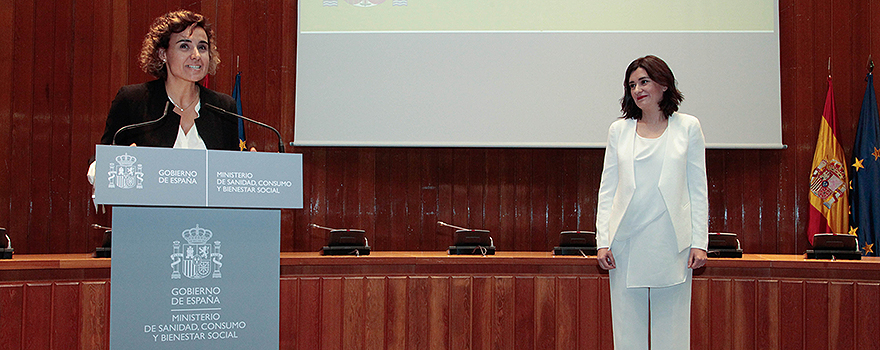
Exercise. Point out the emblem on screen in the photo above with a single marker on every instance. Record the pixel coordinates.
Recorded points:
(363, 3)
(197, 259)
(126, 173)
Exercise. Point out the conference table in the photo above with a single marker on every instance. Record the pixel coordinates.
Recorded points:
(510, 300)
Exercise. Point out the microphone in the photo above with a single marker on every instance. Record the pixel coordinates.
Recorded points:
(223, 111)
(132, 126)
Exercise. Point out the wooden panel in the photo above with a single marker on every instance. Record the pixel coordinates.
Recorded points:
(331, 310)
(767, 327)
(12, 320)
(374, 312)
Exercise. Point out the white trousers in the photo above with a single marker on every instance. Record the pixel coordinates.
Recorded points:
(664, 312)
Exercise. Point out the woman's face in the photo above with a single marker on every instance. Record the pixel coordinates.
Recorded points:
(188, 55)
(645, 91)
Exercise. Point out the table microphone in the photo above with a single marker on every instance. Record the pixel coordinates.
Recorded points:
(223, 111)
(132, 126)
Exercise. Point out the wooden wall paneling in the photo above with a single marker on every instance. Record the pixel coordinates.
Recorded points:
(767, 328)
(66, 316)
(804, 115)
(734, 170)
(398, 204)
(22, 114)
(445, 198)
(751, 201)
(58, 159)
(569, 195)
(816, 308)
(867, 299)
(554, 216)
(545, 312)
(366, 183)
(288, 313)
(461, 312)
(318, 212)
(336, 186)
(84, 35)
(438, 300)
(589, 324)
(331, 309)
(39, 212)
(458, 176)
(721, 336)
(475, 183)
(841, 306)
(95, 315)
(414, 210)
(417, 312)
(768, 234)
(701, 329)
(37, 329)
(309, 329)
(397, 311)
(538, 204)
(482, 311)
(787, 207)
(353, 306)
(492, 207)
(523, 182)
(524, 326)
(566, 312)
(7, 19)
(715, 181)
(791, 305)
(504, 300)
(12, 320)
(374, 312)
(743, 311)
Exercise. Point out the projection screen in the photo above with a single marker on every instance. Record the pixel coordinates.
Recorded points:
(521, 73)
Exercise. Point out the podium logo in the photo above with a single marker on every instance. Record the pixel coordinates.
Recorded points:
(126, 174)
(196, 259)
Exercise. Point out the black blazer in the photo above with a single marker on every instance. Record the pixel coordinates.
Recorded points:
(143, 102)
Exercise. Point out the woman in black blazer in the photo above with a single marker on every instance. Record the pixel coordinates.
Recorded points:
(179, 50)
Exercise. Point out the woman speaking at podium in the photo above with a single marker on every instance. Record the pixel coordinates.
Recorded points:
(653, 212)
(179, 50)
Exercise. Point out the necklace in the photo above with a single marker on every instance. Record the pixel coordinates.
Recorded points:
(178, 106)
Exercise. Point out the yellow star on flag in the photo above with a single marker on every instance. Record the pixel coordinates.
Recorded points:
(858, 164)
(876, 153)
(853, 230)
(869, 248)
(241, 145)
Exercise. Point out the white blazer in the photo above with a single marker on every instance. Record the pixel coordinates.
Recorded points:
(682, 182)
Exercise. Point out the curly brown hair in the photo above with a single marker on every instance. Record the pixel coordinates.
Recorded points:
(159, 36)
(659, 72)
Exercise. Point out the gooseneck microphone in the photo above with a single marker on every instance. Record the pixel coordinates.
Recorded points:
(138, 125)
(223, 111)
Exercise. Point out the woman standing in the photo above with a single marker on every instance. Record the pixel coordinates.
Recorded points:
(652, 217)
(179, 50)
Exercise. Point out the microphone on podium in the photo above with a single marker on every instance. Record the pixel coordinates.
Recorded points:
(223, 111)
(138, 125)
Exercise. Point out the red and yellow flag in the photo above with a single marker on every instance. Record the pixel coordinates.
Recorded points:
(829, 205)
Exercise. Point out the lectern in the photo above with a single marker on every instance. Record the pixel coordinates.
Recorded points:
(196, 245)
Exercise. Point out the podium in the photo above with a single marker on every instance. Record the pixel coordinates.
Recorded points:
(196, 245)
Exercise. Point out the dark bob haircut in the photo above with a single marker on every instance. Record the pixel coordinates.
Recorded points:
(660, 73)
(160, 35)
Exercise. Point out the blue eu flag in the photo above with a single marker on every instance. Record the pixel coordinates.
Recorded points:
(236, 94)
(865, 194)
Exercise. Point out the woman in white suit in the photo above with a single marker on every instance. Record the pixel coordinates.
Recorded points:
(652, 215)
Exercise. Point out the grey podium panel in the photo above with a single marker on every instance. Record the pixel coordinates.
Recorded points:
(197, 178)
(194, 278)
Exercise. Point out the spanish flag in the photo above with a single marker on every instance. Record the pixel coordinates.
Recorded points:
(829, 205)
